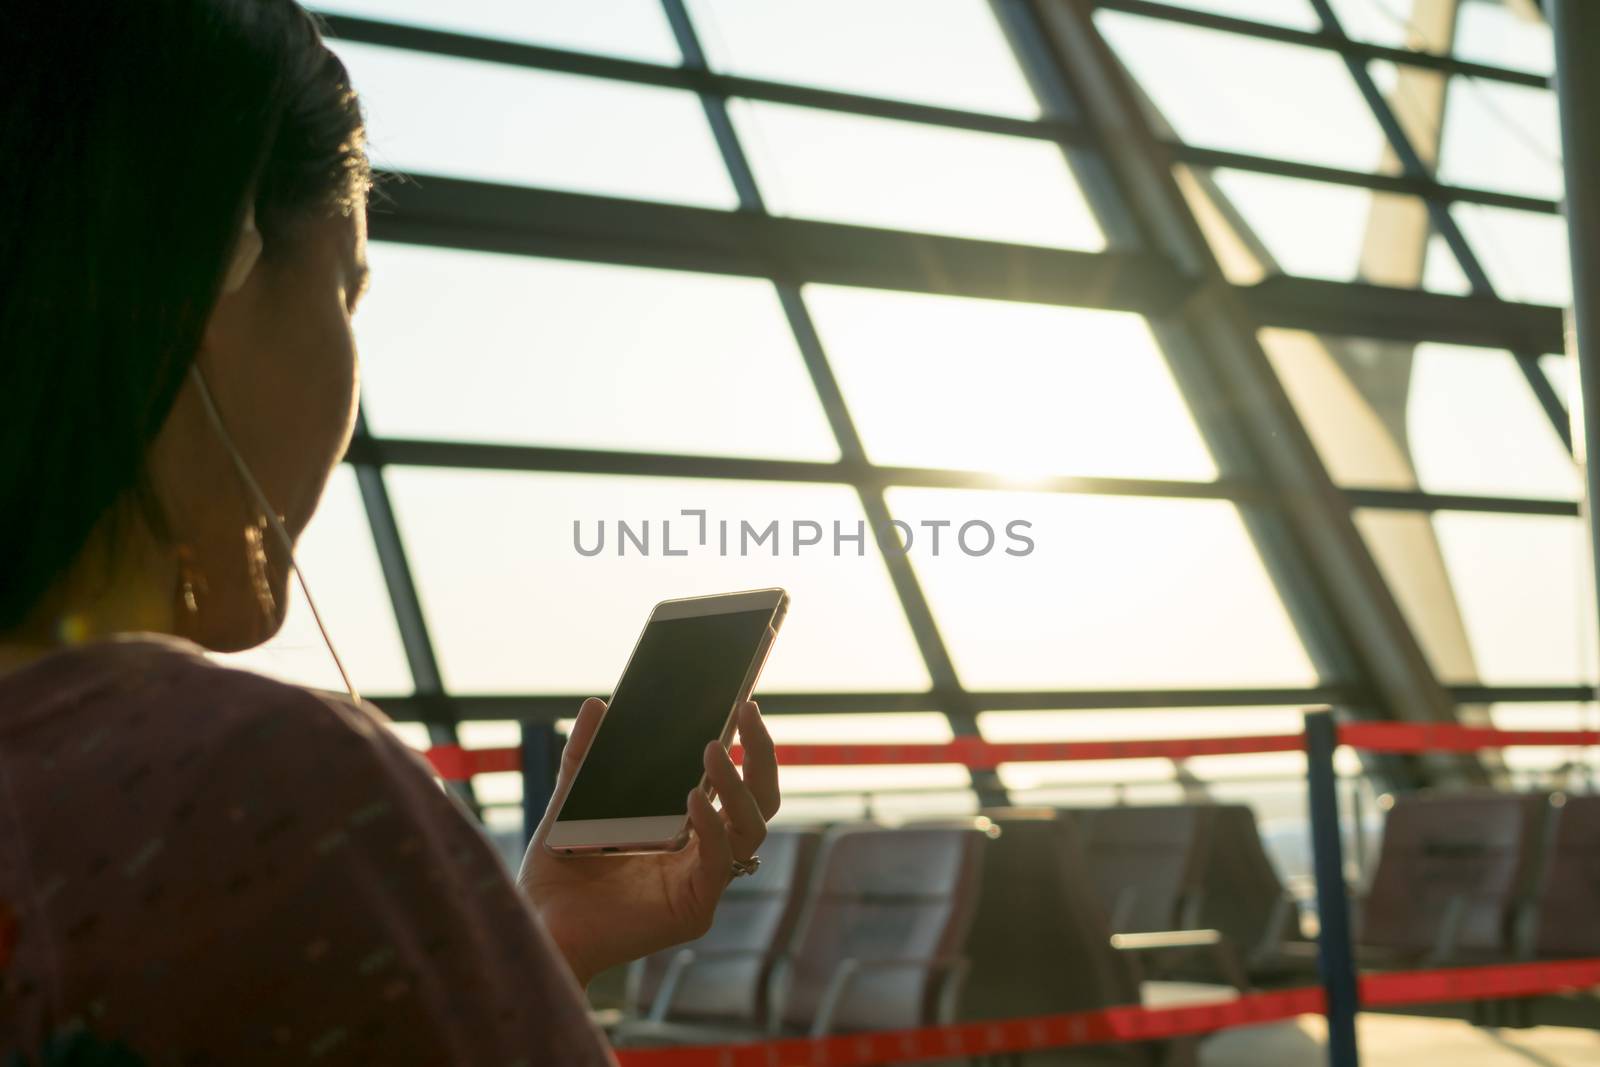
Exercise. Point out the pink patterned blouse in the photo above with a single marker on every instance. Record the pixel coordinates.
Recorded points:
(202, 866)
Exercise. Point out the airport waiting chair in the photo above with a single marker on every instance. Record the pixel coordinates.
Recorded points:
(1561, 924)
(1566, 915)
(1241, 895)
(722, 977)
(1455, 871)
(1147, 863)
(1196, 867)
(876, 945)
(1040, 942)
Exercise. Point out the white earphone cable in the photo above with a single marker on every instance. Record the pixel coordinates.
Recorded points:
(215, 418)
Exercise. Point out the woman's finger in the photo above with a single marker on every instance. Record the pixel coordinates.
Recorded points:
(746, 828)
(582, 735)
(577, 744)
(713, 867)
(760, 759)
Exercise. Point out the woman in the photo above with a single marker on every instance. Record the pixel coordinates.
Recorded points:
(199, 865)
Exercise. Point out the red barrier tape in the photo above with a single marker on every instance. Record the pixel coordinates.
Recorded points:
(455, 763)
(1118, 1025)
(1408, 737)
(979, 754)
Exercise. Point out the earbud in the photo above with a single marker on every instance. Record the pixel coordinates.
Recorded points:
(284, 540)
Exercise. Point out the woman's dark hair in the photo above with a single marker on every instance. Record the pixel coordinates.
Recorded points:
(132, 135)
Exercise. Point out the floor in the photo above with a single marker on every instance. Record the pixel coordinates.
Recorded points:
(1395, 1041)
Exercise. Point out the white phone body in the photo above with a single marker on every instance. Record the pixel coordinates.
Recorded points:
(665, 832)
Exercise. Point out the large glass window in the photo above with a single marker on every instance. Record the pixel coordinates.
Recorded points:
(1116, 592)
(466, 119)
(1559, 767)
(1277, 225)
(1524, 600)
(1244, 94)
(1015, 389)
(633, 29)
(1504, 34)
(515, 607)
(1503, 137)
(1082, 783)
(535, 581)
(1443, 418)
(516, 350)
(904, 176)
(902, 49)
(1524, 253)
(1295, 14)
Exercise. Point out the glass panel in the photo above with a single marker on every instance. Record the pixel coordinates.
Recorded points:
(1243, 94)
(885, 806)
(1443, 418)
(1476, 427)
(1117, 592)
(1505, 35)
(499, 787)
(341, 566)
(1296, 14)
(866, 779)
(414, 734)
(1496, 32)
(467, 119)
(1550, 768)
(859, 728)
(1090, 781)
(1524, 253)
(1385, 22)
(1562, 373)
(514, 607)
(509, 349)
(633, 29)
(1523, 589)
(1338, 232)
(856, 791)
(1503, 137)
(901, 49)
(1443, 273)
(906, 176)
(1018, 389)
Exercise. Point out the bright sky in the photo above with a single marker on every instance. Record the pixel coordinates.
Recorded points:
(1120, 592)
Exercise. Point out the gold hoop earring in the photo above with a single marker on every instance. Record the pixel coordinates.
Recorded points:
(255, 555)
(191, 581)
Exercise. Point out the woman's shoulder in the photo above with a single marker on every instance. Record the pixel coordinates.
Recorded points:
(162, 692)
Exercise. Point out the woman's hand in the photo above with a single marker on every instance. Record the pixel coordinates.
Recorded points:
(603, 911)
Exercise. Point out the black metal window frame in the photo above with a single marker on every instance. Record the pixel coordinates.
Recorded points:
(1132, 274)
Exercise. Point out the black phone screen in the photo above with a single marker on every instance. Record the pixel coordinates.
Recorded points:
(674, 697)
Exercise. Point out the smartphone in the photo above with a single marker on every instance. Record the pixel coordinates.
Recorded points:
(695, 663)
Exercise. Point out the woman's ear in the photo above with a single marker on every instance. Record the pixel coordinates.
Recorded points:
(245, 253)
